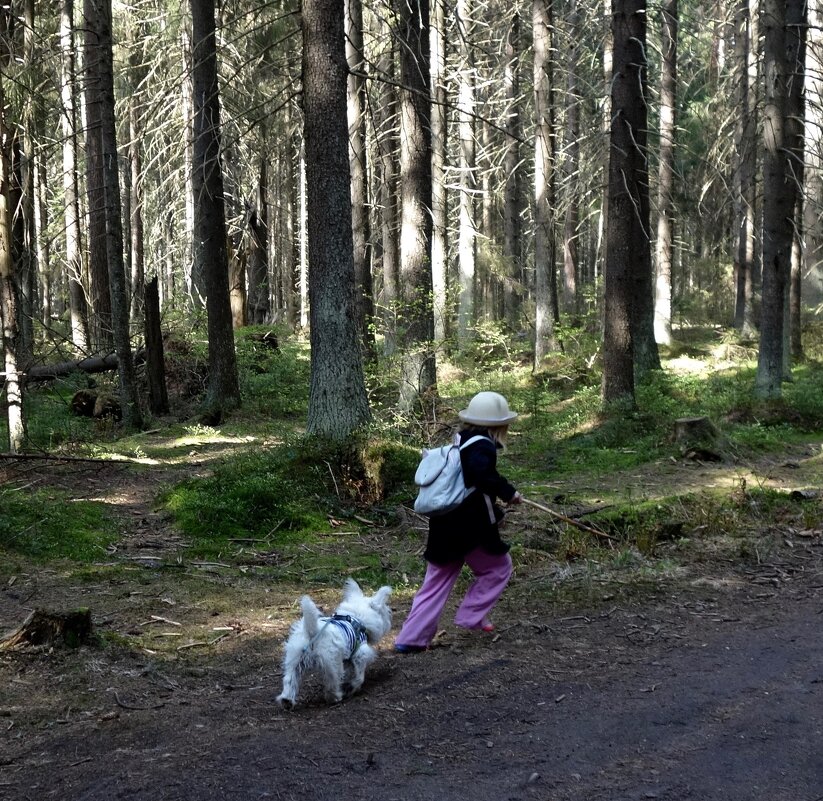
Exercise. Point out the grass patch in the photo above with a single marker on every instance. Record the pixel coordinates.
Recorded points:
(51, 525)
(274, 495)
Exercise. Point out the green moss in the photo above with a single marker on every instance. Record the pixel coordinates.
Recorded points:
(275, 495)
(52, 525)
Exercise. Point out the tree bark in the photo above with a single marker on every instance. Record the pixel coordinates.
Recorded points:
(99, 291)
(9, 301)
(211, 254)
(779, 198)
(627, 225)
(27, 257)
(812, 277)
(257, 263)
(746, 155)
(137, 74)
(237, 287)
(388, 202)
(545, 273)
(155, 359)
(98, 13)
(338, 404)
(92, 364)
(467, 236)
(515, 285)
(418, 370)
(571, 303)
(665, 180)
(359, 168)
(194, 279)
(439, 129)
(48, 629)
(796, 30)
(71, 211)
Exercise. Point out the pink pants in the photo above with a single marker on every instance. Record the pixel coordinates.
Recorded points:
(491, 575)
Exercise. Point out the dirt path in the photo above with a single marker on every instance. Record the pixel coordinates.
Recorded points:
(698, 689)
(704, 699)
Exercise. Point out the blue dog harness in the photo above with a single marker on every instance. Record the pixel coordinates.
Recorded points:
(352, 629)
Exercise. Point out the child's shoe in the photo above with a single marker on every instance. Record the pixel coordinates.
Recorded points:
(402, 648)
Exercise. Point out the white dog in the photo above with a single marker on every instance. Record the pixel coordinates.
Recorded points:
(338, 646)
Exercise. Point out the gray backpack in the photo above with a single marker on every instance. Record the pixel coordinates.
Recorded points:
(439, 477)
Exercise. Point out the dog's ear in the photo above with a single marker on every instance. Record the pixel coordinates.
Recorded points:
(351, 589)
(380, 597)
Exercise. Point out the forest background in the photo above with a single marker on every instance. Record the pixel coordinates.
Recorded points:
(253, 257)
(405, 189)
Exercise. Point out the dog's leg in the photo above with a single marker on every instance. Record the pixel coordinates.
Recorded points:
(362, 658)
(333, 680)
(292, 670)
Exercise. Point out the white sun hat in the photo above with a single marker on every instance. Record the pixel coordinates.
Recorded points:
(487, 409)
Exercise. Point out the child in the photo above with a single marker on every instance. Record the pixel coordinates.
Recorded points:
(469, 534)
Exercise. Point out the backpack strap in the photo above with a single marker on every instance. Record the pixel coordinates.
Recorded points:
(474, 439)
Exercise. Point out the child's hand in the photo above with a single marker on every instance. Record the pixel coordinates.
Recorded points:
(516, 498)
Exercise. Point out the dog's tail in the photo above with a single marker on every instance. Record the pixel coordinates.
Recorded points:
(311, 615)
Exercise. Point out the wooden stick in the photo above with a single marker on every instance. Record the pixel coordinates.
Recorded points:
(570, 520)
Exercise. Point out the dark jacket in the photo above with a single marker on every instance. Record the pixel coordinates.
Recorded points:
(474, 523)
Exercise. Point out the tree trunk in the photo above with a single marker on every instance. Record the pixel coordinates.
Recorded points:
(71, 208)
(812, 277)
(211, 255)
(292, 250)
(8, 296)
(41, 224)
(572, 165)
(796, 27)
(466, 250)
(303, 280)
(155, 360)
(665, 181)
(512, 201)
(440, 218)
(99, 291)
(545, 274)
(27, 269)
(257, 263)
(608, 75)
(92, 364)
(779, 198)
(137, 73)
(99, 48)
(388, 149)
(338, 404)
(627, 225)
(194, 280)
(418, 370)
(237, 287)
(746, 154)
(359, 168)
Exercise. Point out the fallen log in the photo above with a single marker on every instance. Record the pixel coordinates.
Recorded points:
(92, 364)
(47, 629)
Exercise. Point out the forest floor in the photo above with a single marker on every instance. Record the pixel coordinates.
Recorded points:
(703, 681)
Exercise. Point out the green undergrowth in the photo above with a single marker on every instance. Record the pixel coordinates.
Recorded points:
(285, 495)
(663, 546)
(44, 525)
(281, 507)
(692, 525)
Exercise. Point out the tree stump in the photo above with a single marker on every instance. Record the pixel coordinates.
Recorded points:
(46, 629)
(691, 430)
(698, 439)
